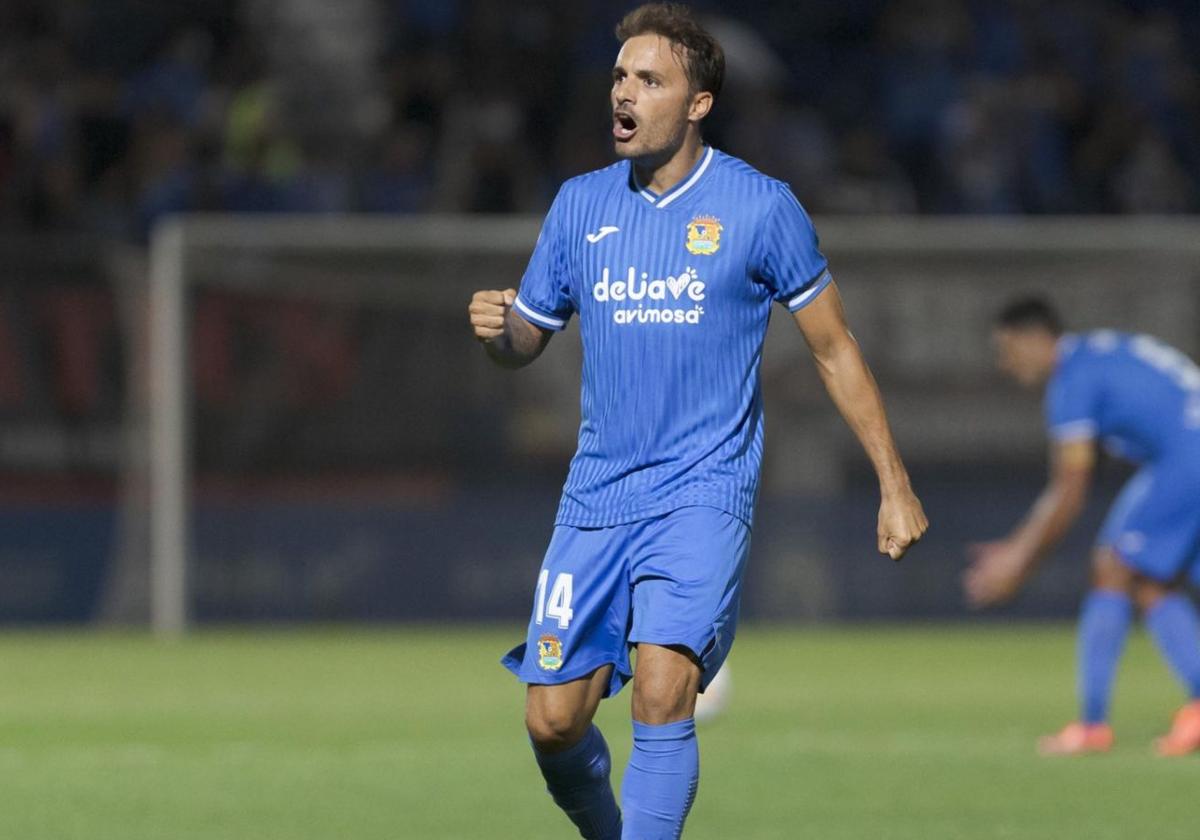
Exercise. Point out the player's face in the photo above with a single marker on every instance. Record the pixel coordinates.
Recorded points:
(1026, 356)
(651, 101)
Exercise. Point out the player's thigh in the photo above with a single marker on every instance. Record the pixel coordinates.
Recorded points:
(580, 610)
(1154, 526)
(687, 582)
(1131, 498)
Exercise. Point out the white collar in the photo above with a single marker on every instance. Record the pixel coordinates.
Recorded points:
(661, 201)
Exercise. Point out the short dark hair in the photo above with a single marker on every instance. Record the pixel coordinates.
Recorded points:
(703, 58)
(1030, 313)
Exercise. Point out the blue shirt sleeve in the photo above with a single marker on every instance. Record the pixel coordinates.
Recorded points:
(786, 258)
(544, 298)
(1072, 402)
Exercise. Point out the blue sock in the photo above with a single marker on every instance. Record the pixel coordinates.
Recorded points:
(660, 782)
(1175, 626)
(577, 779)
(1103, 626)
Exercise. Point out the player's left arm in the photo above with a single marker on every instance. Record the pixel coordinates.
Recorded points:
(853, 390)
(999, 569)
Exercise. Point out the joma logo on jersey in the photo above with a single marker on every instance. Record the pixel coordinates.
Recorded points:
(683, 288)
(704, 235)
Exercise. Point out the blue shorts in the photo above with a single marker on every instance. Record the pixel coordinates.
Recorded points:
(674, 579)
(1154, 525)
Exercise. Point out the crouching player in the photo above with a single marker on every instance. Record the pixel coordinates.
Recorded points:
(1142, 398)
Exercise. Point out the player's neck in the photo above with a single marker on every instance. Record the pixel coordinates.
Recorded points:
(1049, 364)
(661, 176)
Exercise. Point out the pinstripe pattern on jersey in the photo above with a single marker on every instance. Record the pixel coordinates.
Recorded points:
(1141, 397)
(671, 401)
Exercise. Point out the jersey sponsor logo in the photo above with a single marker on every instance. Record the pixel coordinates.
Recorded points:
(704, 235)
(604, 231)
(684, 288)
(550, 654)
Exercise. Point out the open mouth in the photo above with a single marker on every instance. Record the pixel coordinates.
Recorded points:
(624, 126)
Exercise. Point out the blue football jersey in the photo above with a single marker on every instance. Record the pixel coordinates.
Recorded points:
(1135, 393)
(673, 293)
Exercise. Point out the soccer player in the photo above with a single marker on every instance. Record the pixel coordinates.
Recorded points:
(1142, 398)
(671, 259)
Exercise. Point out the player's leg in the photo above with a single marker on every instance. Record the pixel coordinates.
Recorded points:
(1184, 736)
(1104, 624)
(1174, 624)
(1103, 628)
(572, 754)
(1107, 610)
(575, 654)
(664, 768)
(1157, 543)
(686, 586)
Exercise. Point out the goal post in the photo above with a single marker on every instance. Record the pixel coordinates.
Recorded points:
(179, 242)
(169, 476)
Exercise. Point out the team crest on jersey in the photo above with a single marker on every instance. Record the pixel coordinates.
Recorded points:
(550, 655)
(704, 235)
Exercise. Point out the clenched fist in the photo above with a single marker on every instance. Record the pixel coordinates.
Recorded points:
(488, 310)
(902, 523)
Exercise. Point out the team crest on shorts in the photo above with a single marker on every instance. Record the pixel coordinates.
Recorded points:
(550, 655)
(704, 235)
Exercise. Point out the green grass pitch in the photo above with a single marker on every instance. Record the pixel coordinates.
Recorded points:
(861, 733)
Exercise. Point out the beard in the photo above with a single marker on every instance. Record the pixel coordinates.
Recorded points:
(654, 146)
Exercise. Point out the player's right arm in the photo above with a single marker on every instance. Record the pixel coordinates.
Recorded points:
(510, 340)
(999, 569)
(515, 326)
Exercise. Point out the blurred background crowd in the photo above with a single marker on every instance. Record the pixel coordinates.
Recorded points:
(346, 438)
(115, 112)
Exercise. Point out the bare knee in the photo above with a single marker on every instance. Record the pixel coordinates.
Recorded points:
(1147, 593)
(554, 727)
(1109, 572)
(656, 704)
(558, 716)
(665, 685)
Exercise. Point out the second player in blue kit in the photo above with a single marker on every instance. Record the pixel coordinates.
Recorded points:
(671, 261)
(1140, 398)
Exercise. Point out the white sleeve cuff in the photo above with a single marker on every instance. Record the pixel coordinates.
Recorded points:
(537, 316)
(806, 297)
(1074, 430)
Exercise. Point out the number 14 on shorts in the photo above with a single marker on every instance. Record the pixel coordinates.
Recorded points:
(559, 605)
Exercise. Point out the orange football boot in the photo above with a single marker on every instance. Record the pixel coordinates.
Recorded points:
(1077, 739)
(1184, 736)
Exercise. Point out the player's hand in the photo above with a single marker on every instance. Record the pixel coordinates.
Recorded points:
(902, 522)
(488, 311)
(995, 574)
